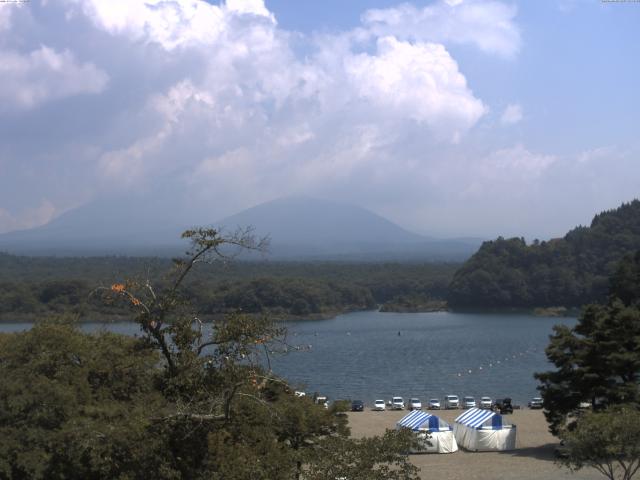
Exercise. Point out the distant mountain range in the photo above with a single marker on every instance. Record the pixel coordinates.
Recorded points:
(299, 228)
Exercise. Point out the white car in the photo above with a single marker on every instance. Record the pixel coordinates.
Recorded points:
(322, 400)
(415, 404)
(451, 401)
(434, 404)
(379, 406)
(486, 403)
(468, 402)
(397, 403)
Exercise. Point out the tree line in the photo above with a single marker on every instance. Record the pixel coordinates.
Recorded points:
(569, 271)
(31, 287)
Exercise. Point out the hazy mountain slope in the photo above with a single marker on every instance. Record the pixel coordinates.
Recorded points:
(568, 271)
(310, 221)
(299, 227)
(303, 227)
(130, 225)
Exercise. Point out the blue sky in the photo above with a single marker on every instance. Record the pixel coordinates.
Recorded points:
(452, 118)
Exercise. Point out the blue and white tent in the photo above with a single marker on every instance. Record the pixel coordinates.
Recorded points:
(434, 434)
(483, 431)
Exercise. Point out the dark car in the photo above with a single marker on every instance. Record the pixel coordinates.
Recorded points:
(535, 403)
(503, 405)
(357, 406)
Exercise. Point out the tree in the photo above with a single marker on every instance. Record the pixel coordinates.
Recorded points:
(76, 406)
(607, 441)
(187, 400)
(598, 360)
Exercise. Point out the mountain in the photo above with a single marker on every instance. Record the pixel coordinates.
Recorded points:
(308, 228)
(124, 225)
(569, 271)
(299, 228)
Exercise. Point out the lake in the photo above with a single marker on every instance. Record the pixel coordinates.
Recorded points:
(369, 355)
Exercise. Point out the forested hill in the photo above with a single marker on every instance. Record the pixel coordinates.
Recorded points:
(569, 271)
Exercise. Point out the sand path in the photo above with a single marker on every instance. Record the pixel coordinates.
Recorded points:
(533, 458)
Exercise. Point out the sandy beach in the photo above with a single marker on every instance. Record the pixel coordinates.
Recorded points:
(532, 459)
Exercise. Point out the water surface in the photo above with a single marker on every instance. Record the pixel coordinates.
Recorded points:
(369, 355)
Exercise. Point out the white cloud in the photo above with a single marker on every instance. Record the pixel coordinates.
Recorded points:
(230, 109)
(486, 24)
(255, 7)
(420, 81)
(515, 163)
(175, 24)
(39, 76)
(512, 114)
(27, 218)
(5, 18)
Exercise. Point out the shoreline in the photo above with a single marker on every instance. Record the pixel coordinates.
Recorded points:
(557, 312)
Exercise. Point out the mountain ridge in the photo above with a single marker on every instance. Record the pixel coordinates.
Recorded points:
(300, 228)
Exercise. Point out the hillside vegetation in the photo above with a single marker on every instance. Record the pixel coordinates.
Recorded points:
(31, 287)
(569, 271)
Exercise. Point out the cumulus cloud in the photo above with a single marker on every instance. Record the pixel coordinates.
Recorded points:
(511, 165)
(224, 108)
(487, 25)
(44, 74)
(512, 114)
(420, 81)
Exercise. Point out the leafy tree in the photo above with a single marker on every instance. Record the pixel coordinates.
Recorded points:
(607, 441)
(185, 400)
(598, 360)
(377, 458)
(76, 406)
(625, 283)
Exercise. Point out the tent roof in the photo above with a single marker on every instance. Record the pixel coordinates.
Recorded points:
(417, 419)
(475, 417)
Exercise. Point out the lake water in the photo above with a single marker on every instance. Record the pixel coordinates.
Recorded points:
(369, 355)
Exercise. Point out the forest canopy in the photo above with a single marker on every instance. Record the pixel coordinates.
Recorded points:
(34, 286)
(569, 271)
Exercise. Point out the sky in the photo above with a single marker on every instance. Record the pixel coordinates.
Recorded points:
(449, 117)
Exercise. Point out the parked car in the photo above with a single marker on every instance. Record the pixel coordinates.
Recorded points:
(379, 405)
(357, 406)
(415, 404)
(451, 401)
(535, 403)
(468, 402)
(299, 394)
(322, 400)
(486, 403)
(397, 403)
(503, 406)
(434, 404)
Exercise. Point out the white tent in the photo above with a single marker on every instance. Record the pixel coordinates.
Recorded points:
(483, 431)
(434, 434)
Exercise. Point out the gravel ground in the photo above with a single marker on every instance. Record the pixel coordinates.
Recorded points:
(532, 459)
